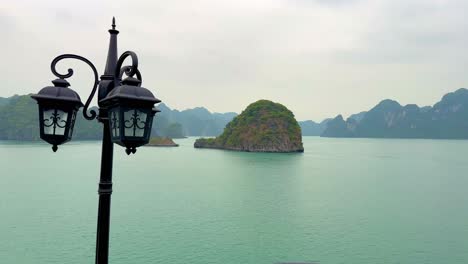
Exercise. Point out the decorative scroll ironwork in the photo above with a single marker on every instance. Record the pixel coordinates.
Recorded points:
(126, 70)
(134, 119)
(130, 71)
(115, 124)
(55, 120)
(93, 113)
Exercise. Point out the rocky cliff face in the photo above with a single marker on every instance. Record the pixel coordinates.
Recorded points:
(311, 128)
(263, 126)
(446, 119)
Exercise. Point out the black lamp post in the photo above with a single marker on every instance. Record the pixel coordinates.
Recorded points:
(126, 112)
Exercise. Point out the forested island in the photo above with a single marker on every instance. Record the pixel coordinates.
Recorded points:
(264, 126)
(447, 119)
(19, 121)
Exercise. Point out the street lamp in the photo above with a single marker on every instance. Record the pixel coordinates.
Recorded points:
(57, 112)
(130, 109)
(126, 111)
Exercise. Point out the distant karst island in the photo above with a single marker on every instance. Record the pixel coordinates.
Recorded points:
(161, 142)
(264, 126)
(447, 119)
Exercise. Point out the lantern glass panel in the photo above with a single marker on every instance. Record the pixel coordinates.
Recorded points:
(115, 123)
(135, 123)
(54, 122)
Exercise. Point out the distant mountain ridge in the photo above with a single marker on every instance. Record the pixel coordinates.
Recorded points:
(447, 119)
(199, 121)
(311, 128)
(4, 101)
(19, 121)
(169, 122)
(193, 122)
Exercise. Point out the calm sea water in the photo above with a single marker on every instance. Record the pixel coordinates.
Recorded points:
(342, 201)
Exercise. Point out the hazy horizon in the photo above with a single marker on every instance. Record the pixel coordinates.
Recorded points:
(318, 58)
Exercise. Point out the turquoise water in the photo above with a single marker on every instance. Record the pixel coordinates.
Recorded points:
(342, 201)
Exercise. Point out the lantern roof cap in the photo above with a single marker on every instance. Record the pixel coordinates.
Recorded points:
(129, 91)
(58, 92)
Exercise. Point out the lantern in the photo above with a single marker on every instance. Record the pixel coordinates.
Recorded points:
(130, 112)
(58, 105)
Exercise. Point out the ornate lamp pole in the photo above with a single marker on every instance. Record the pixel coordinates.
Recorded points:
(126, 111)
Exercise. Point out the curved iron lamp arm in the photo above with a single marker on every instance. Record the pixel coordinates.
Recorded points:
(128, 70)
(93, 113)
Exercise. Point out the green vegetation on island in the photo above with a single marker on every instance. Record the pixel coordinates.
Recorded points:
(447, 119)
(19, 118)
(264, 126)
(19, 121)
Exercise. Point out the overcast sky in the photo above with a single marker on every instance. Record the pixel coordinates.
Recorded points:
(320, 58)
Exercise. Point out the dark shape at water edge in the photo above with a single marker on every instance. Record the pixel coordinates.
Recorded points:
(264, 126)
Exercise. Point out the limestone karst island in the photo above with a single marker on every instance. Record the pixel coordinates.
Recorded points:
(264, 126)
(161, 142)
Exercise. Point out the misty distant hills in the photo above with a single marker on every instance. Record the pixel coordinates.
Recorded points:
(7, 100)
(4, 101)
(447, 119)
(19, 121)
(201, 122)
(18, 115)
(311, 128)
(191, 122)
